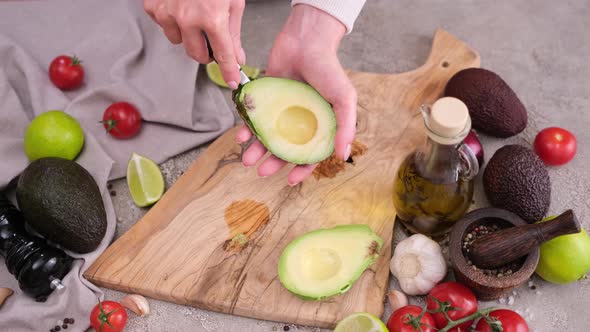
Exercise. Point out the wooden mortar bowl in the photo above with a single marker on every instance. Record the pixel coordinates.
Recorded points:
(488, 287)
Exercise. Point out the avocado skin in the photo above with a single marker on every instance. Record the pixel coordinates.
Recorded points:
(516, 179)
(493, 106)
(241, 108)
(62, 202)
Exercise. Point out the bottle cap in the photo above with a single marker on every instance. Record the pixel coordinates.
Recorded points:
(449, 120)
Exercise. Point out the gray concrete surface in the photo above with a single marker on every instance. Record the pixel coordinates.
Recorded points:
(539, 47)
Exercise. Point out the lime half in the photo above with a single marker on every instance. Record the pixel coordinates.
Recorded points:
(361, 322)
(145, 181)
(214, 73)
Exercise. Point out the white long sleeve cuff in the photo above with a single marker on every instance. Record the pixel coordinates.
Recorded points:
(346, 11)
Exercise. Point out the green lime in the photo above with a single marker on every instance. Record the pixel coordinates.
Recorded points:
(145, 181)
(361, 322)
(54, 134)
(214, 73)
(565, 259)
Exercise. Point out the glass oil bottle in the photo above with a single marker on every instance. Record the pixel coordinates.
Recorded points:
(433, 187)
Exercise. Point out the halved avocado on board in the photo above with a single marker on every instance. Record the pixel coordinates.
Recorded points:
(326, 262)
(291, 119)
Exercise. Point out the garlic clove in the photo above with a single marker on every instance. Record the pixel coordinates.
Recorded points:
(136, 303)
(4, 294)
(397, 299)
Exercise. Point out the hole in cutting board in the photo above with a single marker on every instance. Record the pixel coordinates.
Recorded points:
(244, 218)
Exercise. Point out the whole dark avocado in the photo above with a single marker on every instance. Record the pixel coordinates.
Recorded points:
(493, 106)
(62, 202)
(516, 179)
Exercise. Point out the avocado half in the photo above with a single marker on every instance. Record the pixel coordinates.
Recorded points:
(326, 262)
(291, 119)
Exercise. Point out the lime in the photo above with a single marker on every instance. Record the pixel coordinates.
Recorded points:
(54, 134)
(145, 181)
(361, 322)
(565, 259)
(214, 73)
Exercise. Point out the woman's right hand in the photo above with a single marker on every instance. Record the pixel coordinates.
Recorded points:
(185, 21)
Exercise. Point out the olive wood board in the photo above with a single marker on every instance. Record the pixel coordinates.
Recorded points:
(181, 252)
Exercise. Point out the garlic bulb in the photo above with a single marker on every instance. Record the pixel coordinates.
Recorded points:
(418, 264)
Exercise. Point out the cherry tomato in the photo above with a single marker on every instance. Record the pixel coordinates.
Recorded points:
(555, 146)
(510, 320)
(458, 296)
(122, 120)
(400, 320)
(66, 72)
(108, 316)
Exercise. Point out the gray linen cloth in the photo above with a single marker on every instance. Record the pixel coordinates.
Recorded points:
(126, 58)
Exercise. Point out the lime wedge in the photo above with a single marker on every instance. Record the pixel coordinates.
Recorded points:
(361, 322)
(214, 73)
(145, 181)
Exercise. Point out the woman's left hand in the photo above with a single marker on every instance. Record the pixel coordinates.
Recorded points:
(306, 50)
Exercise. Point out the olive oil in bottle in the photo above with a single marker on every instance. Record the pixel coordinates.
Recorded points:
(433, 187)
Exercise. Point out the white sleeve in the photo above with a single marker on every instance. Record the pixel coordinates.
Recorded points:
(346, 11)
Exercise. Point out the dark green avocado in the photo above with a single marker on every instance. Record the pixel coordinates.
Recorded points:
(493, 106)
(516, 179)
(61, 201)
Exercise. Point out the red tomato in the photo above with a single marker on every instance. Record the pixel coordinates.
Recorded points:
(510, 320)
(458, 296)
(399, 321)
(108, 316)
(66, 72)
(555, 146)
(122, 120)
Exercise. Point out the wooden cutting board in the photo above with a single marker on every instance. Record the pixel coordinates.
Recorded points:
(181, 250)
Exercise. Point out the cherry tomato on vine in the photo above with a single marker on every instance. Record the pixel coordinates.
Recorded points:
(108, 316)
(66, 72)
(405, 319)
(122, 120)
(457, 296)
(509, 320)
(555, 146)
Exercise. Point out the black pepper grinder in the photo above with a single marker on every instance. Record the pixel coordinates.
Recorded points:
(36, 265)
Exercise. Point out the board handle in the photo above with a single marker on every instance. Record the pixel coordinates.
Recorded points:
(450, 53)
(502, 247)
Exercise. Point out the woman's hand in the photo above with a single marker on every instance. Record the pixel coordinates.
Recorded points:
(306, 50)
(185, 21)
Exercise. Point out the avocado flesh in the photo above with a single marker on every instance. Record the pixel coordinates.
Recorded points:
(289, 117)
(62, 202)
(326, 262)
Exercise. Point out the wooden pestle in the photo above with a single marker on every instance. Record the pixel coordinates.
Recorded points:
(504, 246)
